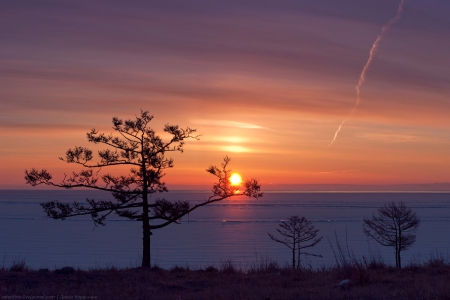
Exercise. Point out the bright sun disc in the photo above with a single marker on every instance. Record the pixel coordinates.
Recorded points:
(235, 179)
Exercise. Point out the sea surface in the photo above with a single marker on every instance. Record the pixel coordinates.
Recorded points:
(231, 230)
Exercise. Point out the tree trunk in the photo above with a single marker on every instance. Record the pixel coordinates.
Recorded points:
(146, 235)
(396, 257)
(397, 249)
(399, 245)
(293, 253)
(293, 258)
(145, 221)
(146, 247)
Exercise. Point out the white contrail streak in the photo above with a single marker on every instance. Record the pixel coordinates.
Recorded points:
(362, 77)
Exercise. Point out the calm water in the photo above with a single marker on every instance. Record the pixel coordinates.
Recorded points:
(233, 230)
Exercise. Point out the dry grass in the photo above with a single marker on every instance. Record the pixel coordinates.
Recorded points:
(369, 280)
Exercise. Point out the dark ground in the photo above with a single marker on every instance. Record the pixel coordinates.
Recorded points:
(266, 281)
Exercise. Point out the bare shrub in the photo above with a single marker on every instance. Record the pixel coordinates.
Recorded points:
(18, 266)
(228, 267)
(299, 234)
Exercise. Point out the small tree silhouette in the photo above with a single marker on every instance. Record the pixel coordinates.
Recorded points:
(138, 146)
(394, 226)
(300, 234)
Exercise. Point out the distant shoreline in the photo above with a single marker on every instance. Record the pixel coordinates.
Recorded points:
(274, 191)
(297, 188)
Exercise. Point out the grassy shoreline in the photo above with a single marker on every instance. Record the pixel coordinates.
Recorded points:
(368, 280)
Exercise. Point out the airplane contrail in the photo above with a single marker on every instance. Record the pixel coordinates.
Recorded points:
(362, 77)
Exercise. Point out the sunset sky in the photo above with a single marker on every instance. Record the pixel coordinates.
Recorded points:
(265, 82)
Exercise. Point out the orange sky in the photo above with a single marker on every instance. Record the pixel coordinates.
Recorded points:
(267, 85)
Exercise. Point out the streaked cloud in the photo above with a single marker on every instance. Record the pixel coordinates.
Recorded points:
(331, 172)
(265, 81)
(393, 137)
(231, 139)
(226, 123)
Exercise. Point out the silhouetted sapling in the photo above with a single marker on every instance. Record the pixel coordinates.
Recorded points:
(394, 226)
(138, 146)
(299, 234)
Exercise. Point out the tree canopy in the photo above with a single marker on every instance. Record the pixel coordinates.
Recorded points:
(298, 233)
(138, 146)
(394, 226)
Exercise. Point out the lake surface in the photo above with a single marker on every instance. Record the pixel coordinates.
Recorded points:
(233, 229)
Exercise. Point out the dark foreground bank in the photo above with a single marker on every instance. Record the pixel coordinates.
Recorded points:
(265, 281)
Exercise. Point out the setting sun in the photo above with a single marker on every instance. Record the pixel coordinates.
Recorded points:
(235, 179)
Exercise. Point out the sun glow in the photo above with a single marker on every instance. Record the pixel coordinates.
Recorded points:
(235, 148)
(235, 179)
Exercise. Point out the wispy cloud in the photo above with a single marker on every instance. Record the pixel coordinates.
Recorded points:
(332, 172)
(226, 123)
(392, 137)
(260, 79)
